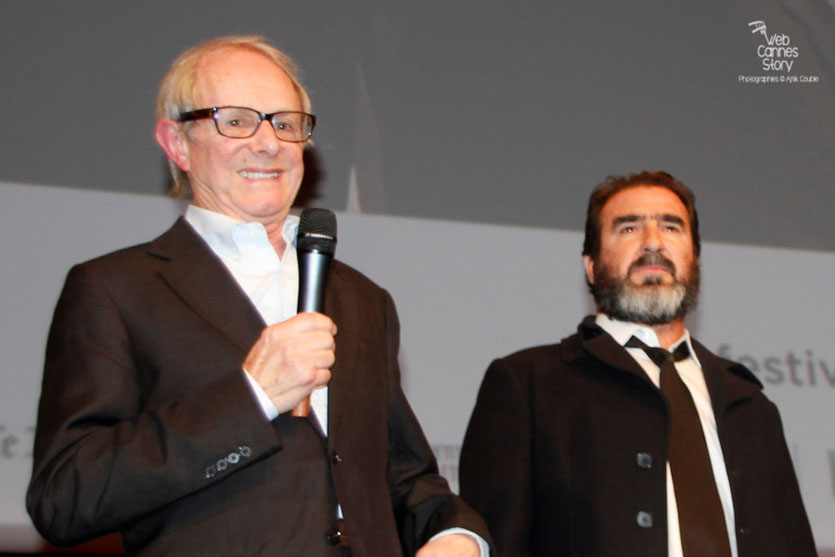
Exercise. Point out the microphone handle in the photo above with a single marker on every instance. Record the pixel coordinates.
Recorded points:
(302, 409)
(313, 272)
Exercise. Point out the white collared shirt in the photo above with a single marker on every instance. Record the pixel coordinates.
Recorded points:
(690, 370)
(270, 282)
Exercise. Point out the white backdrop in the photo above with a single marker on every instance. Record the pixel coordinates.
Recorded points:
(466, 294)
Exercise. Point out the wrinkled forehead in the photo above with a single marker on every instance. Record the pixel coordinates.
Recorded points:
(644, 202)
(237, 76)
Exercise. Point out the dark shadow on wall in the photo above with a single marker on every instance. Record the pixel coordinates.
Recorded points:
(314, 175)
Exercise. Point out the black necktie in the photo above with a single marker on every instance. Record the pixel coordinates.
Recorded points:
(700, 515)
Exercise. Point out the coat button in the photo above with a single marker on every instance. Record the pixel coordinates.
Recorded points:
(644, 519)
(337, 458)
(333, 535)
(644, 460)
(245, 451)
(210, 472)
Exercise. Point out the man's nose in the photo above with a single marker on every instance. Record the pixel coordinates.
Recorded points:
(265, 140)
(651, 240)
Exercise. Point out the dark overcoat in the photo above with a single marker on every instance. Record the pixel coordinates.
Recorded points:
(566, 449)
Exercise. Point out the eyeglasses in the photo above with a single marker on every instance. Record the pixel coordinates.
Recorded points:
(240, 122)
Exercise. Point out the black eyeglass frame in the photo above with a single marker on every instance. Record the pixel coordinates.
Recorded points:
(211, 113)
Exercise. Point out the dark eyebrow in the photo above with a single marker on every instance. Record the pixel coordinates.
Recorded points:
(626, 219)
(671, 218)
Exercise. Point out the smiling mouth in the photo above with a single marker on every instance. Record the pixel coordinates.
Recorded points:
(259, 175)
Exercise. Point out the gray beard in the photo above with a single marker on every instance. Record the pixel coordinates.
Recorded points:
(651, 303)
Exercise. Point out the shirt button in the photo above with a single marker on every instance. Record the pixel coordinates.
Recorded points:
(644, 460)
(644, 519)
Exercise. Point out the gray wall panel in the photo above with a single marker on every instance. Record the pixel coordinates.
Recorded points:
(492, 112)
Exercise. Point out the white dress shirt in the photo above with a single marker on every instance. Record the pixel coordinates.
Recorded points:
(690, 370)
(270, 282)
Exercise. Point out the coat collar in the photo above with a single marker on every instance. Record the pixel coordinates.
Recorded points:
(593, 341)
(727, 381)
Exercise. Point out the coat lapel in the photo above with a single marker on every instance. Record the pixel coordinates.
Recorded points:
(343, 372)
(727, 382)
(593, 340)
(202, 281)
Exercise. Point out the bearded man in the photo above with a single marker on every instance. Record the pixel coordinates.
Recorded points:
(630, 437)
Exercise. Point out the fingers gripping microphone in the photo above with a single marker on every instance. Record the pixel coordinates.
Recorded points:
(315, 246)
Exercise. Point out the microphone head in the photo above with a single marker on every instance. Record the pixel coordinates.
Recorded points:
(317, 231)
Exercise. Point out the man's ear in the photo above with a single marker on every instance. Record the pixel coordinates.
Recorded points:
(170, 137)
(588, 264)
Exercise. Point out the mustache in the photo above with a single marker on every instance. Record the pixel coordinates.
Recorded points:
(653, 258)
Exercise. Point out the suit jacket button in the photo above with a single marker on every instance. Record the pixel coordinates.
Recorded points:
(210, 472)
(233, 458)
(644, 519)
(245, 451)
(644, 460)
(333, 535)
(337, 458)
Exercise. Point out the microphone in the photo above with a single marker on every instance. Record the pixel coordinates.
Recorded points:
(315, 246)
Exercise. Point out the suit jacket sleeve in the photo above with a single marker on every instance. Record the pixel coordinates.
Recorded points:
(104, 456)
(421, 498)
(495, 468)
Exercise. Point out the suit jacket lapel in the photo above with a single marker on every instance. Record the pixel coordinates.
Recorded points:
(205, 285)
(201, 280)
(347, 357)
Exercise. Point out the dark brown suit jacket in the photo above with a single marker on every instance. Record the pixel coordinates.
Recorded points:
(566, 449)
(147, 426)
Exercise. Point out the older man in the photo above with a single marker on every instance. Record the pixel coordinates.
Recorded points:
(629, 437)
(172, 367)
